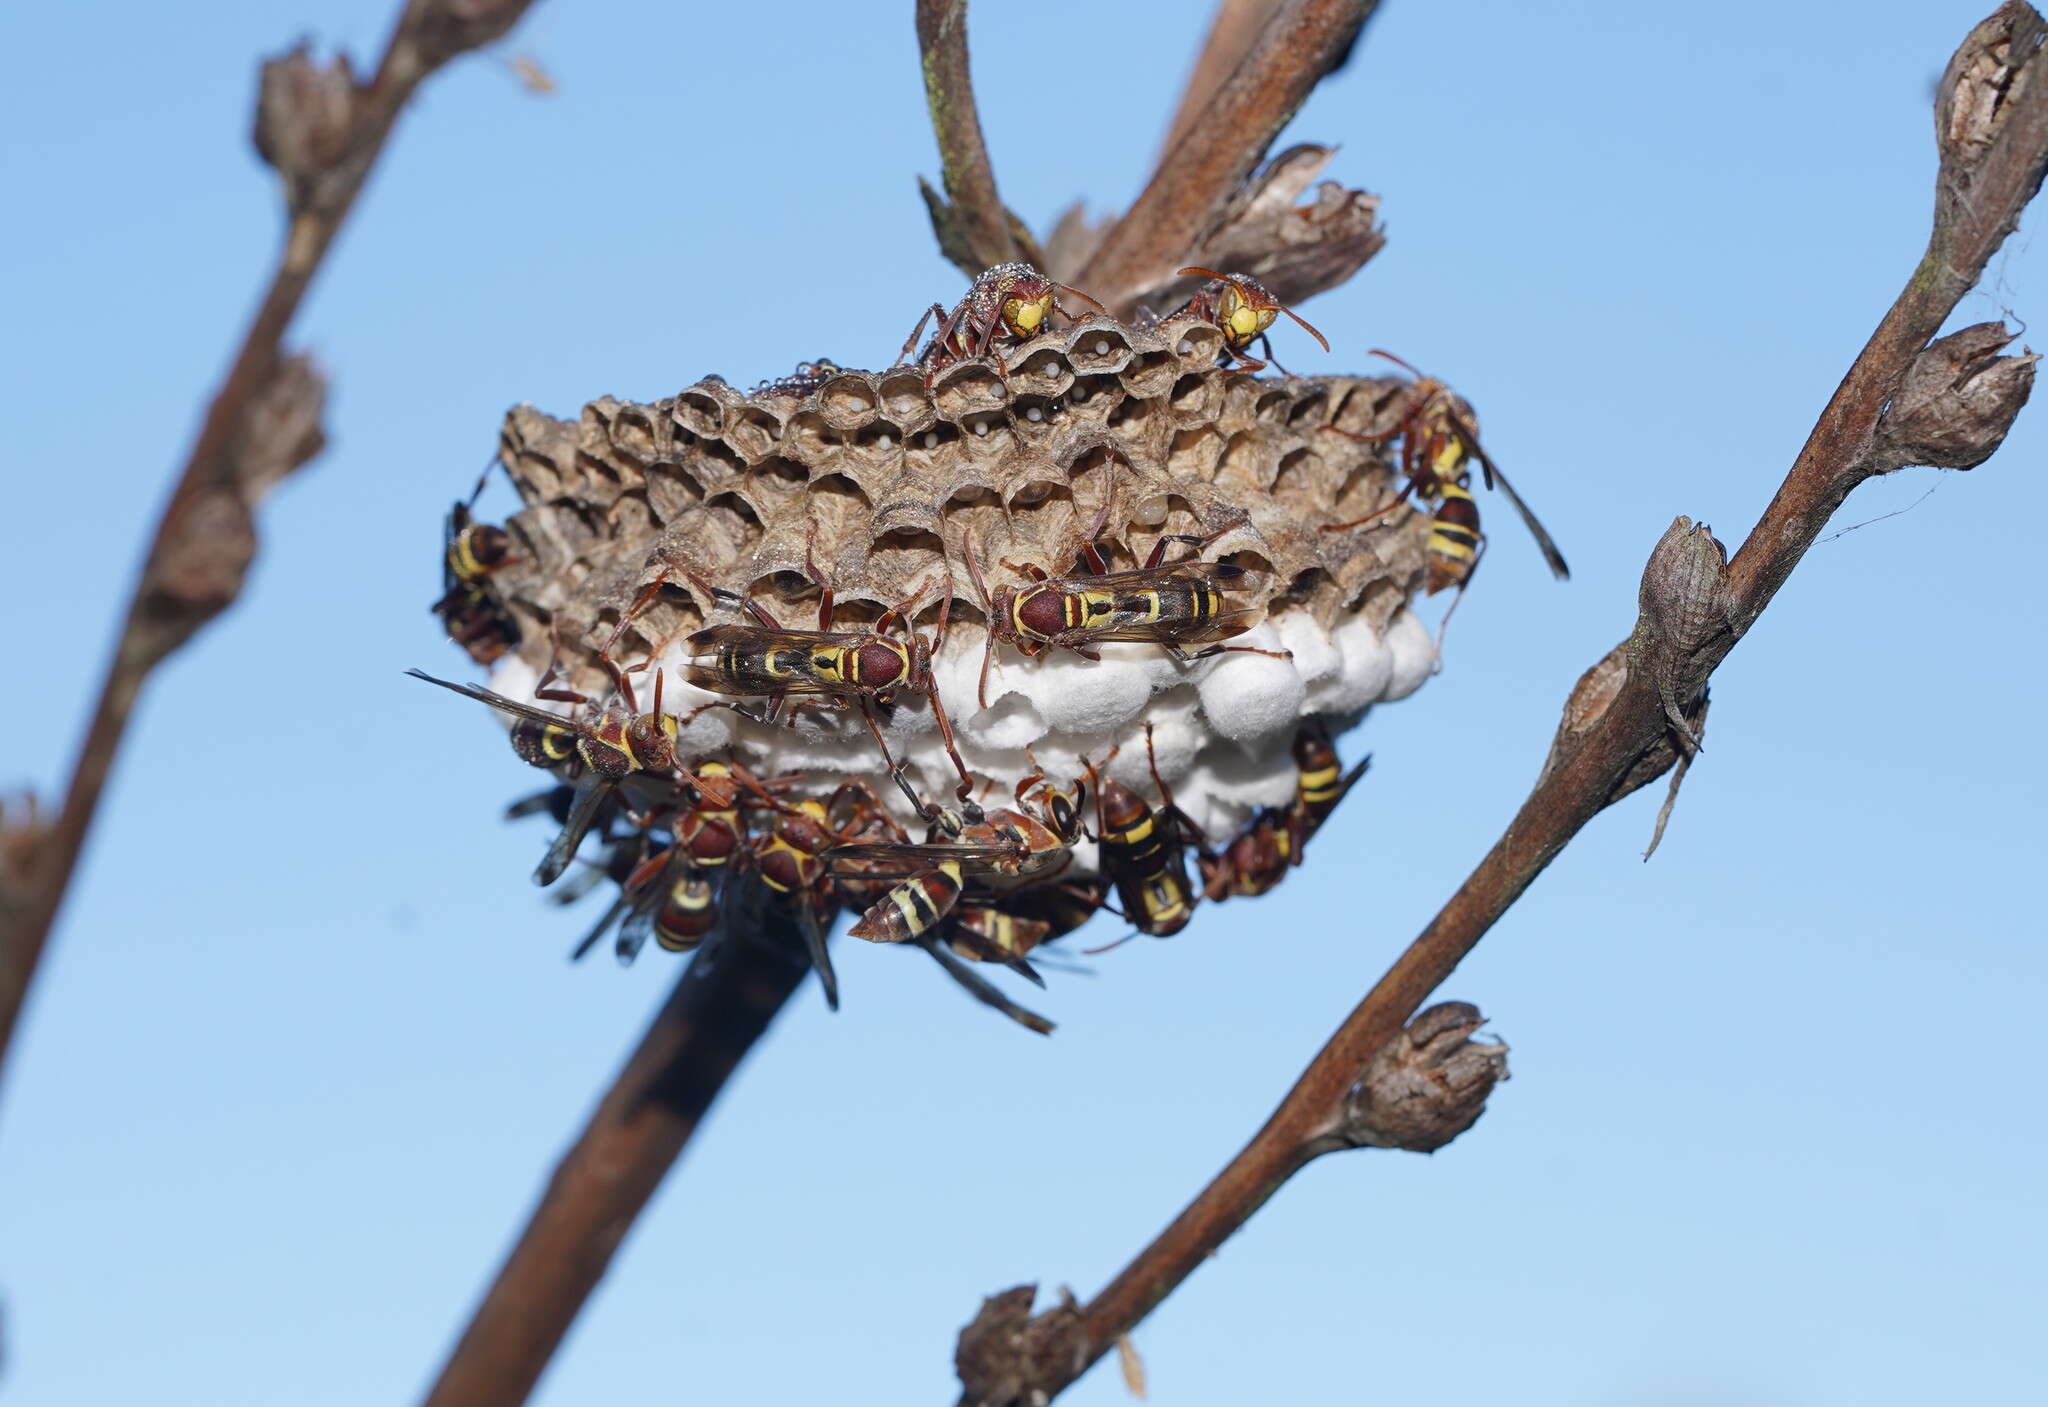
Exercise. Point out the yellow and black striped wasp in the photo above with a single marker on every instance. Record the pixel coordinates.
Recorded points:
(1277, 838)
(470, 610)
(1438, 445)
(668, 899)
(789, 858)
(1242, 309)
(1142, 851)
(669, 893)
(1005, 849)
(860, 670)
(923, 909)
(1174, 606)
(606, 748)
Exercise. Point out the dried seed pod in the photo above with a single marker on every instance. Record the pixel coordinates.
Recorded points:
(1428, 1085)
(1956, 403)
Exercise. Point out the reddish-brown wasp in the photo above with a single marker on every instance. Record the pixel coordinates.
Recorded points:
(1004, 849)
(1009, 301)
(1438, 445)
(469, 608)
(1277, 838)
(667, 898)
(862, 670)
(1001, 847)
(1242, 309)
(1173, 606)
(999, 850)
(611, 746)
(789, 857)
(670, 894)
(1142, 851)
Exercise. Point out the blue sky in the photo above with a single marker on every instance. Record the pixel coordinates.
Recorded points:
(307, 1047)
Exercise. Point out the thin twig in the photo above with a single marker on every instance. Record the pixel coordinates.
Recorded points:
(1618, 732)
(323, 132)
(717, 1011)
(1207, 166)
(974, 227)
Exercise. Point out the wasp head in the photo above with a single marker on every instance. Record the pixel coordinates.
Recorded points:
(1016, 295)
(652, 738)
(1027, 306)
(1243, 311)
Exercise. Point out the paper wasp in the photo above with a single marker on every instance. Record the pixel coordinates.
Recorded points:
(470, 552)
(861, 670)
(1007, 300)
(789, 857)
(668, 898)
(670, 893)
(1438, 445)
(1142, 851)
(807, 377)
(1000, 849)
(1277, 838)
(923, 909)
(609, 747)
(1174, 606)
(1242, 309)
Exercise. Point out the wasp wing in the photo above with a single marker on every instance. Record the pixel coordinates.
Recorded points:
(1224, 626)
(603, 925)
(1496, 479)
(981, 949)
(813, 930)
(591, 793)
(982, 990)
(916, 858)
(497, 701)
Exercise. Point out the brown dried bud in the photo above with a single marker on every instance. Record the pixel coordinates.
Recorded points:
(440, 30)
(280, 427)
(208, 542)
(305, 122)
(1686, 605)
(1976, 91)
(1956, 403)
(1005, 1354)
(1428, 1085)
(23, 830)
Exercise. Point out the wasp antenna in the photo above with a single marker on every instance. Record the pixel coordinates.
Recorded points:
(1397, 361)
(1192, 272)
(1069, 288)
(1306, 326)
(1108, 947)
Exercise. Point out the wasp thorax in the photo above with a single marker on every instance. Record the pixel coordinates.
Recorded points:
(880, 665)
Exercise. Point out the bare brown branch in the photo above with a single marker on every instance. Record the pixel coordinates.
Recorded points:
(1231, 36)
(720, 1007)
(322, 131)
(1618, 732)
(974, 228)
(1194, 186)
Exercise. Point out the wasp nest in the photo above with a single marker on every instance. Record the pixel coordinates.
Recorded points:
(883, 482)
